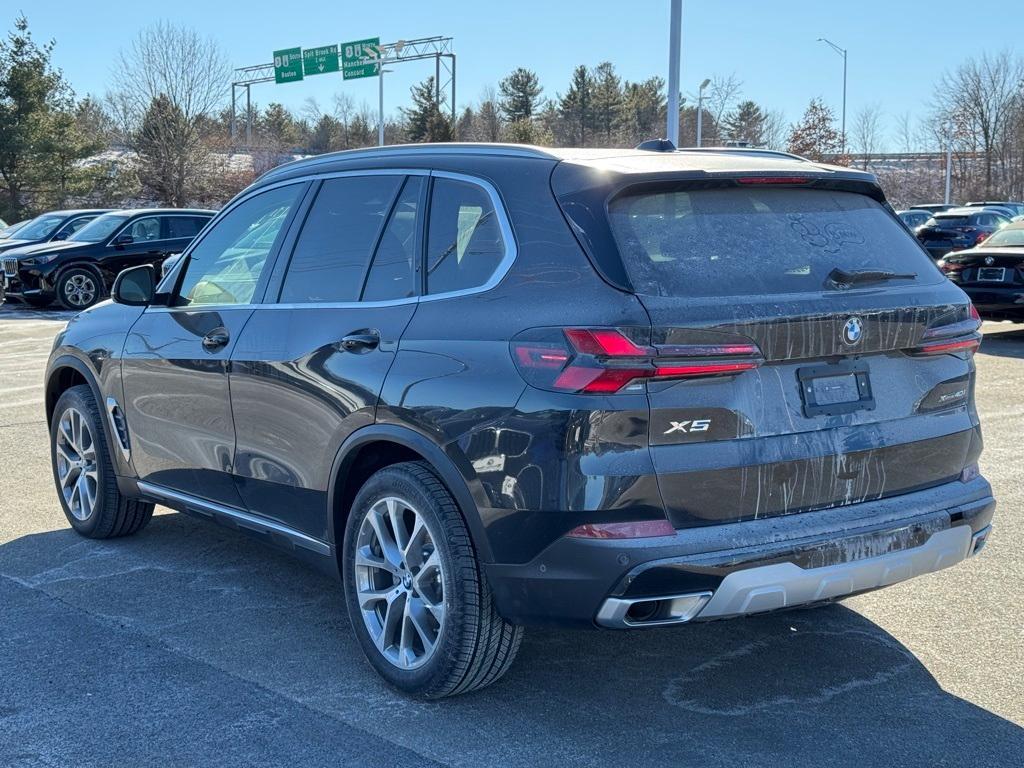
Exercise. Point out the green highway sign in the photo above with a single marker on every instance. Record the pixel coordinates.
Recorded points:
(319, 61)
(288, 65)
(359, 58)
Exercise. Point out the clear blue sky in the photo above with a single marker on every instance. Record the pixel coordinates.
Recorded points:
(897, 48)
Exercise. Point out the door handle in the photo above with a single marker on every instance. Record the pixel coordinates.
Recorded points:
(360, 341)
(216, 339)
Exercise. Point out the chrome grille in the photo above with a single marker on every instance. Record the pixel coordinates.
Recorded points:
(11, 267)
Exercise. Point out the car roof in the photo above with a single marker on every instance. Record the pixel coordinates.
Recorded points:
(76, 212)
(150, 211)
(712, 159)
(962, 211)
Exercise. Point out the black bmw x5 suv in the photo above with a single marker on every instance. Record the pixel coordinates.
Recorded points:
(493, 386)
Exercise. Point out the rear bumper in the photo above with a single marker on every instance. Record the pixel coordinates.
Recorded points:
(997, 301)
(749, 567)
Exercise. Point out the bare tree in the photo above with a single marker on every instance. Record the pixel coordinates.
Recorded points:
(867, 132)
(170, 84)
(982, 98)
(723, 95)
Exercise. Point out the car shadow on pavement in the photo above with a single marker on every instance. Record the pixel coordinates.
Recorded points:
(195, 639)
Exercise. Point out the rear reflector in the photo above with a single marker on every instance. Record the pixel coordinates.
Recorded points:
(606, 360)
(957, 336)
(635, 530)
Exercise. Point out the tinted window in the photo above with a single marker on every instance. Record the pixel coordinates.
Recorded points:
(727, 242)
(100, 228)
(184, 226)
(333, 251)
(73, 226)
(391, 274)
(226, 264)
(464, 241)
(144, 230)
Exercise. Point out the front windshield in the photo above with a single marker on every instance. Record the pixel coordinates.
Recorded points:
(10, 229)
(99, 228)
(40, 228)
(1007, 238)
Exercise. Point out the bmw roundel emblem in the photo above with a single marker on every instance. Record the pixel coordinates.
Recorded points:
(853, 330)
(989, 261)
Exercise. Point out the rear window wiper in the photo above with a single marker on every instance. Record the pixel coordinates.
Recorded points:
(841, 278)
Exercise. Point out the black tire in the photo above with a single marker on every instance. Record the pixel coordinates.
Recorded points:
(112, 514)
(475, 646)
(79, 288)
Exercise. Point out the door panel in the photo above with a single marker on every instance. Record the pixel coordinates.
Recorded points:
(177, 401)
(176, 357)
(296, 394)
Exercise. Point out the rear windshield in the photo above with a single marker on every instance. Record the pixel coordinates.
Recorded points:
(949, 221)
(730, 242)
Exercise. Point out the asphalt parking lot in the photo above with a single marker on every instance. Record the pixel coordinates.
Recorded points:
(189, 644)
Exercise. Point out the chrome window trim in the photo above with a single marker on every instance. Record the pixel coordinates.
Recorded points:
(242, 518)
(499, 274)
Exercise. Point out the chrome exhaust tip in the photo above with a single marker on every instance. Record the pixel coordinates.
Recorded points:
(979, 539)
(622, 613)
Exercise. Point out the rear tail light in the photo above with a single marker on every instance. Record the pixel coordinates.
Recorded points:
(957, 336)
(950, 267)
(638, 529)
(982, 237)
(773, 180)
(606, 360)
(969, 473)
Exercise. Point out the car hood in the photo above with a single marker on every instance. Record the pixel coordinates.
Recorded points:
(6, 245)
(35, 249)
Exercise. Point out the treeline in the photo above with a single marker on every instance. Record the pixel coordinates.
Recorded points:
(162, 133)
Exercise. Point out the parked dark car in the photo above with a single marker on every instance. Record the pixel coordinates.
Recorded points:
(79, 271)
(958, 229)
(492, 386)
(914, 218)
(992, 274)
(56, 225)
(1015, 209)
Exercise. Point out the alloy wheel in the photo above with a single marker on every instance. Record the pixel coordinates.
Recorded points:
(399, 580)
(76, 464)
(80, 290)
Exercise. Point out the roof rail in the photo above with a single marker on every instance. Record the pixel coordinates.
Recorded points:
(746, 151)
(449, 148)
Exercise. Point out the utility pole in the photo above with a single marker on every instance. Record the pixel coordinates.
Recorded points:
(700, 110)
(380, 105)
(674, 37)
(841, 52)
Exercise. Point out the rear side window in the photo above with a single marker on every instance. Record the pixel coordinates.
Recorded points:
(184, 226)
(465, 245)
(737, 241)
(341, 231)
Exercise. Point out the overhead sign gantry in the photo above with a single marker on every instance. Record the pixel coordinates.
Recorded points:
(354, 59)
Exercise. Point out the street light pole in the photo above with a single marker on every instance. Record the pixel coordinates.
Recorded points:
(700, 110)
(674, 35)
(841, 52)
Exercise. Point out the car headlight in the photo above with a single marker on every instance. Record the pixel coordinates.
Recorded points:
(45, 258)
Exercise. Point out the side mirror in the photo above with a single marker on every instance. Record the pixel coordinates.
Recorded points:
(135, 286)
(124, 239)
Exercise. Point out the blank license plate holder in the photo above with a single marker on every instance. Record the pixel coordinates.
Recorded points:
(838, 388)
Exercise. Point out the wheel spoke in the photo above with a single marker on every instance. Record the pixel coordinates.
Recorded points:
(366, 559)
(412, 552)
(395, 514)
(368, 598)
(392, 624)
(71, 477)
(384, 539)
(418, 618)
